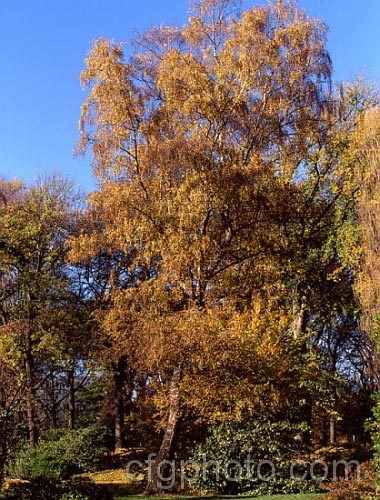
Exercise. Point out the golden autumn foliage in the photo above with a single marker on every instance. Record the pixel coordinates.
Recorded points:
(215, 278)
(214, 150)
(368, 283)
(226, 176)
(199, 139)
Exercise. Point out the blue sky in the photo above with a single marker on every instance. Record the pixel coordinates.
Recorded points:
(43, 45)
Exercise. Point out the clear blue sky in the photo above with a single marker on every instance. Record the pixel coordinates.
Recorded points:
(42, 48)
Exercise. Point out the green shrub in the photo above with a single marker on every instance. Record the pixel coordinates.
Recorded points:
(62, 454)
(46, 461)
(277, 442)
(86, 447)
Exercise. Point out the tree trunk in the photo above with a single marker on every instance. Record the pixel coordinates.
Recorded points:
(71, 384)
(2, 467)
(5, 439)
(30, 392)
(332, 430)
(153, 484)
(316, 424)
(119, 379)
(54, 405)
(299, 317)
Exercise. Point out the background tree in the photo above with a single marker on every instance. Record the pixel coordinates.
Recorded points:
(35, 224)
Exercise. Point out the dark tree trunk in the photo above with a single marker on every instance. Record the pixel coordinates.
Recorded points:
(2, 467)
(71, 402)
(317, 424)
(119, 380)
(54, 405)
(4, 446)
(30, 392)
(153, 484)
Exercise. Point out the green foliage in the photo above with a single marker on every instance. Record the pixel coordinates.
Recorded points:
(47, 461)
(62, 454)
(86, 447)
(261, 440)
